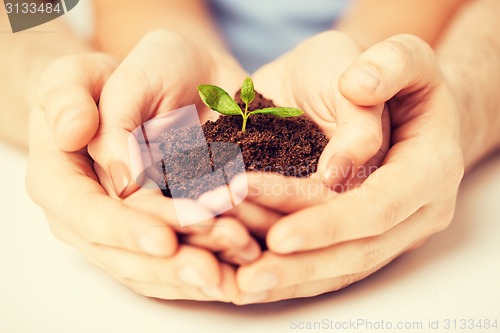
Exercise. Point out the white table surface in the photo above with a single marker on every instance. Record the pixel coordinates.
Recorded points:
(46, 286)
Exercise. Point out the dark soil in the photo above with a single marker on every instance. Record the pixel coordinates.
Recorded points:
(288, 146)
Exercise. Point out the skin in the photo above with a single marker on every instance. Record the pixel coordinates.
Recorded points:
(369, 22)
(123, 263)
(131, 237)
(19, 91)
(430, 105)
(382, 228)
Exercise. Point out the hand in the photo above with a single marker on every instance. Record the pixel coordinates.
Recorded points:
(308, 77)
(359, 135)
(137, 248)
(160, 75)
(408, 199)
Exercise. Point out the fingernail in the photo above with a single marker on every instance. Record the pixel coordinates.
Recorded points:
(254, 298)
(190, 275)
(214, 292)
(120, 177)
(263, 281)
(365, 76)
(291, 244)
(338, 171)
(67, 117)
(153, 243)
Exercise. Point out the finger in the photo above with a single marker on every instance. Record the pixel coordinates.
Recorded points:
(402, 62)
(308, 289)
(284, 194)
(189, 266)
(371, 209)
(256, 218)
(61, 231)
(165, 291)
(119, 263)
(78, 200)
(257, 215)
(149, 199)
(101, 220)
(361, 136)
(277, 271)
(250, 253)
(224, 293)
(70, 89)
(355, 132)
(230, 238)
(143, 86)
(184, 216)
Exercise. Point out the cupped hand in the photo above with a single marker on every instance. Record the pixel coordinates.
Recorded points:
(158, 76)
(341, 238)
(137, 247)
(308, 77)
(359, 135)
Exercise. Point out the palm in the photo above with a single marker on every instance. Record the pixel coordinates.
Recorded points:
(308, 78)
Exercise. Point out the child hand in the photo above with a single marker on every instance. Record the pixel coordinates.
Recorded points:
(308, 77)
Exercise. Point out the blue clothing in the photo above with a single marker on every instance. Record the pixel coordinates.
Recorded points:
(258, 31)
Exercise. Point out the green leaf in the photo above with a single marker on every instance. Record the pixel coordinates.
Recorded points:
(280, 112)
(218, 100)
(247, 91)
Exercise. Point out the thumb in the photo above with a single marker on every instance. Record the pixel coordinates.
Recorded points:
(70, 89)
(358, 142)
(400, 64)
(403, 63)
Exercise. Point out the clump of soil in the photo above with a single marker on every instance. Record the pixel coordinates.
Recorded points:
(287, 146)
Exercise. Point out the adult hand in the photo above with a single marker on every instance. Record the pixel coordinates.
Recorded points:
(409, 198)
(135, 247)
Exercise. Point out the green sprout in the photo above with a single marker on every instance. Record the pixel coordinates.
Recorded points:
(219, 100)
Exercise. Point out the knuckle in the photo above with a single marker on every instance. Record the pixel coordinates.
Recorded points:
(445, 216)
(456, 164)
(327, 232)
(408, 49)
(386, 216)
(57, 232)
(451, 163)
(372, 138)
(397, 52)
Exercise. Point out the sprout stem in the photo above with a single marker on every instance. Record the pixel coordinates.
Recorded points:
(245, 118)
(244, 127)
